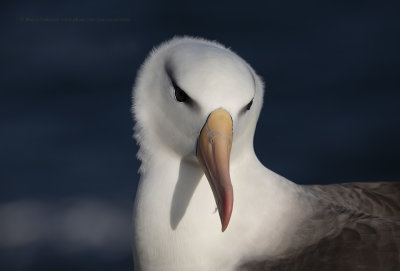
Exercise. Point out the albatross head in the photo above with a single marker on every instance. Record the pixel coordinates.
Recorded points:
(198, 100)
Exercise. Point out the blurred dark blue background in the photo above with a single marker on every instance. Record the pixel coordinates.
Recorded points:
(68, 167)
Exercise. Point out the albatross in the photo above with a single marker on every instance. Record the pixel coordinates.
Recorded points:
(204, 200)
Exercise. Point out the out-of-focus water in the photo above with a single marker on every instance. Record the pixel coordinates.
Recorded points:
(67, 158)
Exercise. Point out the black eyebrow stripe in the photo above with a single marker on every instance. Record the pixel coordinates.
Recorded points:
(191, 102)
(244, 109)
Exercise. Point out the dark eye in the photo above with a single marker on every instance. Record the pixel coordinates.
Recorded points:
(180, 95)
(248, 106)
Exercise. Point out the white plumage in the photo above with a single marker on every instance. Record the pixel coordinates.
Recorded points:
(275, 224)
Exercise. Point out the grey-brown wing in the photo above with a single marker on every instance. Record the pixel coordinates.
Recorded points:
(355, 226)
(381, 199)
(365, 245)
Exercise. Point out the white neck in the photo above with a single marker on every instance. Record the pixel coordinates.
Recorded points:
(177, 227)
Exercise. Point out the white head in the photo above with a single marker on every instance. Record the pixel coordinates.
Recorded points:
(179, 85)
